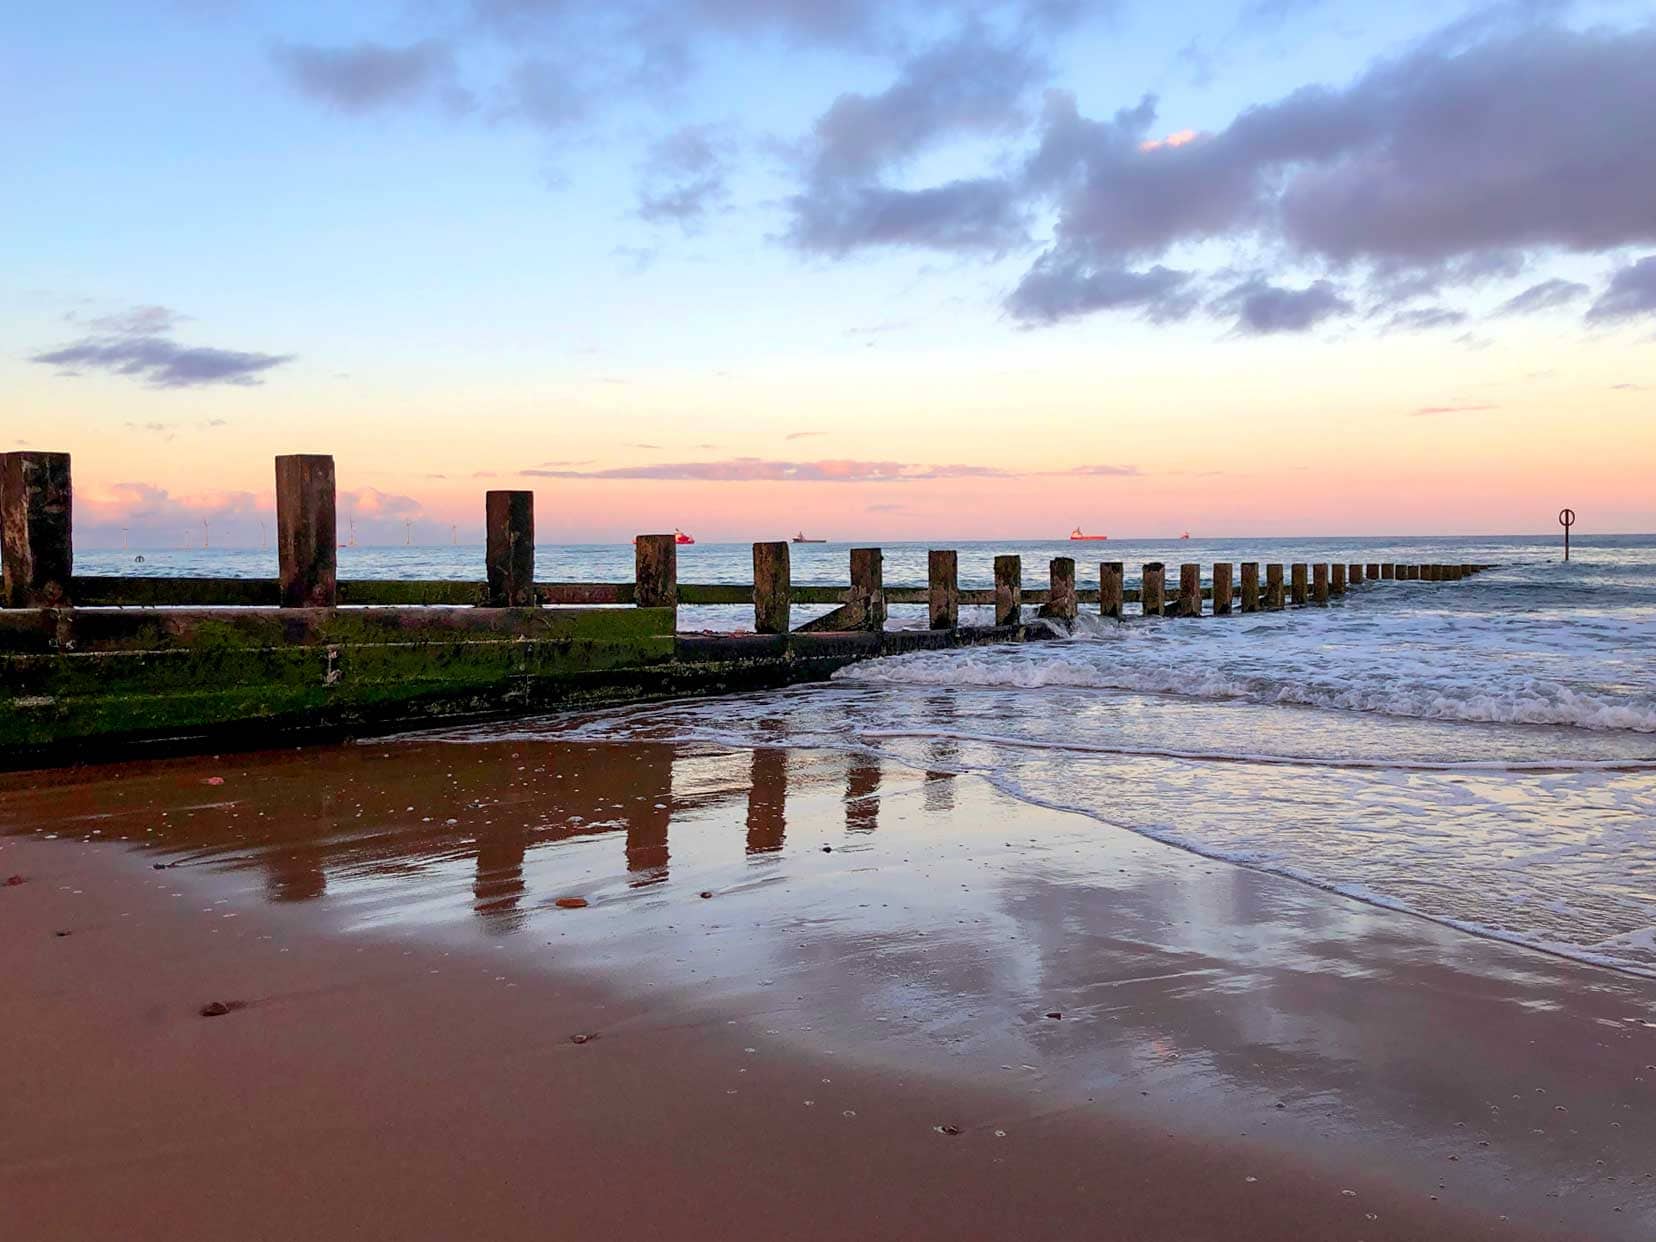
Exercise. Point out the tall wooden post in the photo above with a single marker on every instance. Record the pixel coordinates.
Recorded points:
(1061, 598)
(1109, 589)
(943, 568)
(1355, 573)
(1152, 598)
(1222, 588)
(36, 530)
(1008, 590)
(1273, 586)
(1298, 590)
(1250, 586)
(1319, 583)
(655, 571)
(509, 548)
(307, 535)
(868, 588)
(1337, 578)
(772, 588)
(1190, 590)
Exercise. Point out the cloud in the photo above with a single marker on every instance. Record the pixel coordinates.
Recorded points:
(1428, 410)
(370, 502)
(1548, 295)
(762, 470)
(133, 346)
(153, 513)
(982, 215)
(1631, 292)
(684, 177)
(1423, 318)
(803, 435)
(371, 76)
(1262, 308)
(1057, 288)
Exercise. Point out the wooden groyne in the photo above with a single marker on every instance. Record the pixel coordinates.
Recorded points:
(91, 661)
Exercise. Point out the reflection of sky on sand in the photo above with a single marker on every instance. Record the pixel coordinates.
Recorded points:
(924, 920)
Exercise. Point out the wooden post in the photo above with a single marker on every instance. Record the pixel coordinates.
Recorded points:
(1297, 584)
(1453, 572)
(772, 589)
(868, 588)
(1250, 586)
(307, 536)
(943, 568)
(1152, 599)
(1060, 604)
(1319, 584)
(1410, 572)
(1190, 590)
(1388, 571)
(1374, 571)
(509, 551)
(1468, 570)
(1222, 588)
(1008, 590)
(1337, 578)
(1428, 573)
(655, 571)
(1109, 589)
(36, 530)
(1273, 586)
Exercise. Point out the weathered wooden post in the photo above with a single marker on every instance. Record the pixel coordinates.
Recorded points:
(943, 568)
(1337, 578)
(1109, 589)
(307, 534)
(1468, 570)
(1410, 572)
(1298, 589)
(1428, 573)
(1060, 605)
(1388, 571)
(1354, 572)
(1374, 571)
(1250, 586)
(1008, 590)
(1454, 573)
(1222, 588)
(1190, 590)
(772, 588)
(868, 588)
(1273, 586)
(1319, 583)
(509, 548)
(36, 530)
(1152, 598)
(655, 571)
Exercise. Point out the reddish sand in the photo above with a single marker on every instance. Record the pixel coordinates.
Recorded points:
(410, 1082)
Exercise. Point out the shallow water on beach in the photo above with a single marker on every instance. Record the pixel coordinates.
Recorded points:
(1481, 752)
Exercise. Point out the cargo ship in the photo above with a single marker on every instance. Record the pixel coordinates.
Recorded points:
(1077, 537)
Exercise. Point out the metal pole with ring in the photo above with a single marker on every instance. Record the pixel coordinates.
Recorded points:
(1566, 519)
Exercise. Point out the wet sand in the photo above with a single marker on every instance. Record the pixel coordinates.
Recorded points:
(1237, 1056)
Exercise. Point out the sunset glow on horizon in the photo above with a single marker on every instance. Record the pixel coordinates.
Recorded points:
(866, 271)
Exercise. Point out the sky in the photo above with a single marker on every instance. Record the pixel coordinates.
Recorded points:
(868, 269)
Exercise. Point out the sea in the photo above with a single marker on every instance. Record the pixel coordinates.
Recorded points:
(1480, 753)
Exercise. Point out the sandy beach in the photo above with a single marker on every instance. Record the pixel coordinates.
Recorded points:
(808, 996)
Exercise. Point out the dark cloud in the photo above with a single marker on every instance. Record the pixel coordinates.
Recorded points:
(1631, 292)
(1548, 295)
(368, 76)
(1262, 308)
(544, 93)
(981, 215)
(1054, 289)
(161, 362)
(684, 177)
(1425, 318)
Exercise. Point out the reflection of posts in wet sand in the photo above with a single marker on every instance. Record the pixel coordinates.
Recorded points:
(498, 887)
(939, 792)
(767, 822)
(294, 876)
(648, 819)
(862, 794)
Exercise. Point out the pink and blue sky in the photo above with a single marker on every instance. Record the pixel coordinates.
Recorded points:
(871, 268)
